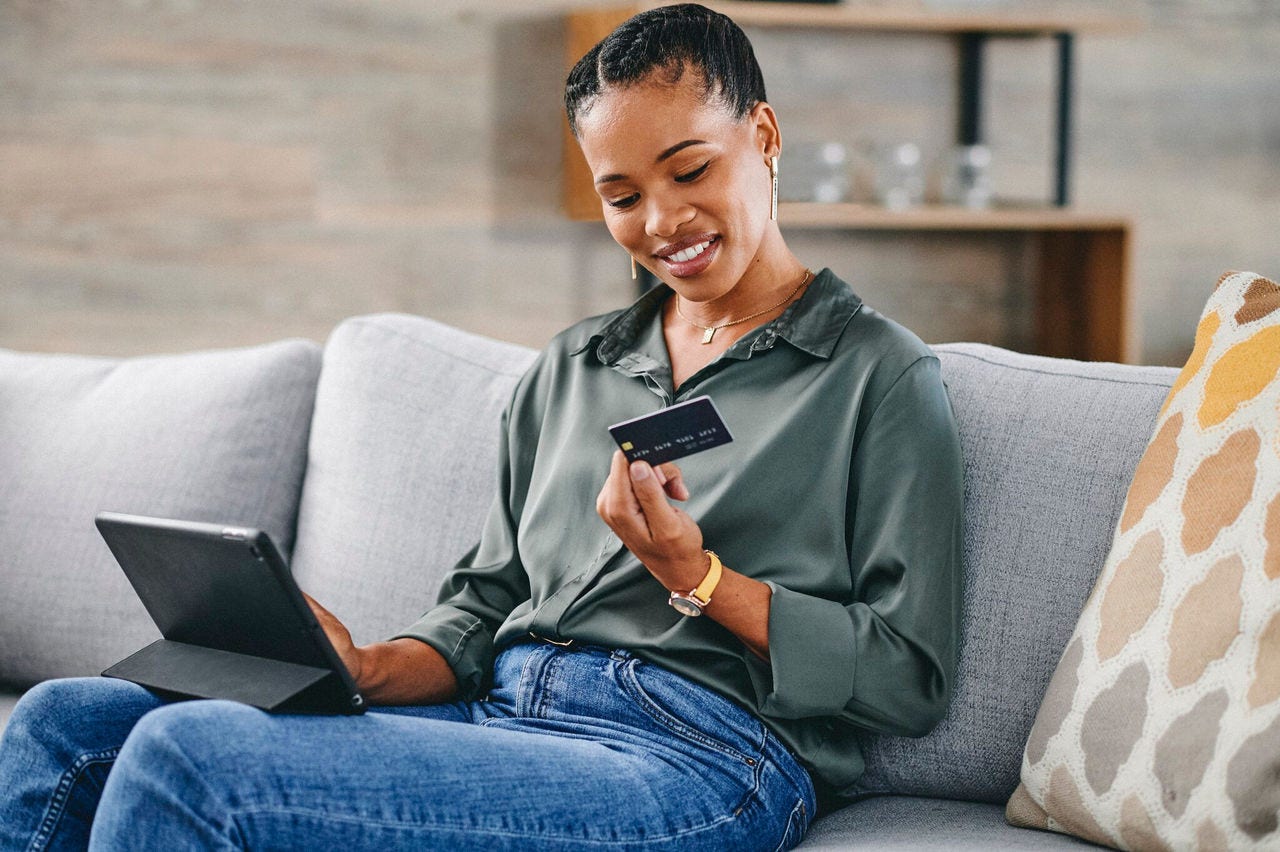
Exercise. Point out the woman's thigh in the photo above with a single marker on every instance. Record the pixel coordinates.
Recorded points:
(215, 774)
(520, 773)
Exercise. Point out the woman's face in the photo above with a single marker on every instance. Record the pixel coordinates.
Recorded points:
(685, 186)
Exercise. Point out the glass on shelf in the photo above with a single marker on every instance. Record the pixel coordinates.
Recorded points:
(814, 171)
(968, 177)
(900, 176)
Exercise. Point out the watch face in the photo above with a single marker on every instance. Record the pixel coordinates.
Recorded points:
(684, 605)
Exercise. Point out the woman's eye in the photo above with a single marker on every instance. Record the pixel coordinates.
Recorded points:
(693, 175)
(623, 203)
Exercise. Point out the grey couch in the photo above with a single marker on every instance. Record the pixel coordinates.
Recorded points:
(372, 461)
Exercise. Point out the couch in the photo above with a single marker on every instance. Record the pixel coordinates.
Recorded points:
(371, 461)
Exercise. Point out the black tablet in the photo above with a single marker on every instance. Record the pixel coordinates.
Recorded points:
(235, 624)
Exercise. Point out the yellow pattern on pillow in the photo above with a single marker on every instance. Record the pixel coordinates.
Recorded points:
(1160, 728)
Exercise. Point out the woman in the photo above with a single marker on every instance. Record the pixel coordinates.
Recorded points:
(552, 698)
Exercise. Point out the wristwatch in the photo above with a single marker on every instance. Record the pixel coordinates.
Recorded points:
(692, 603)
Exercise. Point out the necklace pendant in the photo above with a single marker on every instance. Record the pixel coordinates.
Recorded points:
(710, 333)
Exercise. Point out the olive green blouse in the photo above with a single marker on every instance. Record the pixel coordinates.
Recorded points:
(841, 490)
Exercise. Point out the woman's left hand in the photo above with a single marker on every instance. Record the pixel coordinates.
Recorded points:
(634, 504)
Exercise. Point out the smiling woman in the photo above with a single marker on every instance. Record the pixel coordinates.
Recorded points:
(605, 667)
(676, 130)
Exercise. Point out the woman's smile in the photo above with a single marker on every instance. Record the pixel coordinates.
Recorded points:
(689, 257)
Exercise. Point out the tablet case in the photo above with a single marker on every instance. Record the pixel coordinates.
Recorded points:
(235, 625)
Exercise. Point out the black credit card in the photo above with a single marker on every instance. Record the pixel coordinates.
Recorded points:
(672, 433)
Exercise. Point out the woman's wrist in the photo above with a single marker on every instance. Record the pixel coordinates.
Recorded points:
(682, 575)
(403, 671)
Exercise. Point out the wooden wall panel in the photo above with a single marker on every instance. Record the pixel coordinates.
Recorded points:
(185, 173)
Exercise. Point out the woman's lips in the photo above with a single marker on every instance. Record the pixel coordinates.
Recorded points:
(691, 259)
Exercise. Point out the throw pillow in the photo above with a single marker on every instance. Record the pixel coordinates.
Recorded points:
(1160, 728)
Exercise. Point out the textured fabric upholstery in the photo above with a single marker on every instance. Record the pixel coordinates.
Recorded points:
(207, 436)
(908, 824)
(402, 465)
(1050, 446)
(7, 700)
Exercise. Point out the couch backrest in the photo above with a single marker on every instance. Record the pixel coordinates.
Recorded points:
(208, 436)
(400, 470)
(401, 467)
(1049, 448)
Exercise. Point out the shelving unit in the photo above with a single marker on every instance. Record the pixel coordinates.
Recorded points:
(1082, 299)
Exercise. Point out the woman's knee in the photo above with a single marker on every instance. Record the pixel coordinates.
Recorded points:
(66, 703)
(189, 733)
(175, 780)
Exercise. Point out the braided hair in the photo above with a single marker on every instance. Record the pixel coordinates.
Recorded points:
(670, 41)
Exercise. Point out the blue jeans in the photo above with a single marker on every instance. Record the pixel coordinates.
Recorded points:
(581, 748)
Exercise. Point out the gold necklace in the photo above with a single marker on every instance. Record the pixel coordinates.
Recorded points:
(712, 329)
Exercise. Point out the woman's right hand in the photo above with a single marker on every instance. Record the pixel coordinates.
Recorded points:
(401, 671)
(339, 638)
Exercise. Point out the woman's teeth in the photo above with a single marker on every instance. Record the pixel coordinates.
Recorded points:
(690, 253)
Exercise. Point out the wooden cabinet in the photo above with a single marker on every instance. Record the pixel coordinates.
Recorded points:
(1082, 302)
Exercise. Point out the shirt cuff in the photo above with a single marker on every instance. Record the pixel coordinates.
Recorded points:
(462, 640)
(812, 656)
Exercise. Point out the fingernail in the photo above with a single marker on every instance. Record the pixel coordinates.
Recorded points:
(639, 470)
(662, 477)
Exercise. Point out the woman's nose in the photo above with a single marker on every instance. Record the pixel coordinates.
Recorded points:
(665, 216)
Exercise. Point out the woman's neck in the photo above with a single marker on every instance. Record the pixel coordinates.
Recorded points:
(769, 282)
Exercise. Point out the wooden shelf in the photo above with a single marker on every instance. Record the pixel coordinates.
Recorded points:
(585, 27)
(936, 217)
(1007, 21)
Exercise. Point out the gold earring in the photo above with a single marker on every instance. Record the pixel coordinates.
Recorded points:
(773, 204)
(633, 268)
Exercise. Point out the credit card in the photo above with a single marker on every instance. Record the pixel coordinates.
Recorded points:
(672, 433)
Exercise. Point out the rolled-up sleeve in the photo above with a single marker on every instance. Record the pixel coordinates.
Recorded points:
(885, 659)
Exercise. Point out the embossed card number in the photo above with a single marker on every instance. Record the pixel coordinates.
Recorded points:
(672, 433)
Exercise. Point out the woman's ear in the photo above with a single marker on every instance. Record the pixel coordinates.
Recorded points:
(764, 123)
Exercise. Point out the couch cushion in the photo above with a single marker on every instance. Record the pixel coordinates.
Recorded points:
(1161, 727)
(1049, 447)
(908, 824)
(209, 436)
(402, 466)
(7, 702)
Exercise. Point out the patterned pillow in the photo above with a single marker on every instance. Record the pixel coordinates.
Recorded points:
(1161, 726)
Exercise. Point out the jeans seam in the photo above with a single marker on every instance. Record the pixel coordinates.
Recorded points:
(470, 829)
(546, 686)
(796, 812)
(58, 800)
(524, 684)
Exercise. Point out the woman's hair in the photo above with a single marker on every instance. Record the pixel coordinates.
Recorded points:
(670, 40)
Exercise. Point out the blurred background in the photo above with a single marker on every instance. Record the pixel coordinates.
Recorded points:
(183, 174)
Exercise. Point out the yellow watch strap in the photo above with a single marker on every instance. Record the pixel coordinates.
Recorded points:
(709, 582)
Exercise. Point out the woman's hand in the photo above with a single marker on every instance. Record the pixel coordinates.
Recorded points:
(634, 504)
(400, 671)
(339, 638)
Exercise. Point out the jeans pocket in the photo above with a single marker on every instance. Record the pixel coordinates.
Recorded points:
(694, 713)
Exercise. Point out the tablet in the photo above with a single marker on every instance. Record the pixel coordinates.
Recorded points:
(235, 624)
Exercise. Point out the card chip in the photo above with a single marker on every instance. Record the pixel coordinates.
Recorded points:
(627, 445)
